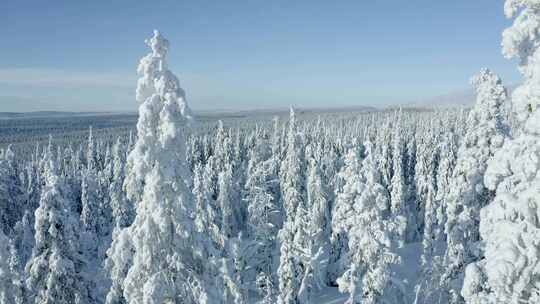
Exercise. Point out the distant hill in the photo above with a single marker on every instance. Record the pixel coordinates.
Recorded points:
(454, 99)
(463, 98)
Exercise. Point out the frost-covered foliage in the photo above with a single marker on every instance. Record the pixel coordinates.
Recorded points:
(165, 264)
(467, 194)
(292, 236)
(364, 213)
(121, 209)
(319, 229)
(162, 115)
(262, 203)
(10, 192)
(509, 229)
(54, 270)
(399, 204)
(6, 275)
(242, 244)
(264, 218)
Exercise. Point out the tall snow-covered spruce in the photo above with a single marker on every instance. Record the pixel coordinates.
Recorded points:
(508, 272)
(166, 264)
(264, 221)
(467, 194)
(398, 202)
(291, 268)
(54, 270)
(363, 212)
(318, 250)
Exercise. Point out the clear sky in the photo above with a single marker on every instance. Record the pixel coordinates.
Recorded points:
(82, 55)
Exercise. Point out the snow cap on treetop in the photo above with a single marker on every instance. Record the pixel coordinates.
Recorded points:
(292, 116)
(522, 40)
(511, 7)
(486, 77)
(158, 44)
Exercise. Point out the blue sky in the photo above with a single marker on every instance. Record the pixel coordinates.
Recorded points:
(82, 55)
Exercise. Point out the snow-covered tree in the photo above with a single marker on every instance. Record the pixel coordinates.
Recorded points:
(293, 185)
(466, 192)
(90, 205)
(118, 264)
(91, 155)
(292, 178)
(398, 204)
(105, 219)
(156, 89)
(23, 241)
(433, 238)
(266, 287)
(290, 270)
(299, 263)
(424, 178)
(231, 219)
(6, 275)
(54, 270)
(205, 216)
(121, 249)
(264, 219)
(319, 229)
(32, 188)
(509, 229)
(232, 293)
(340, 255)
(122, 209)
(223, 148)
(167, 264)
(384, 154)
(364, 214)
(413, 221)
(311, 241)
(11, 195)
(91, 218)
(90, 199)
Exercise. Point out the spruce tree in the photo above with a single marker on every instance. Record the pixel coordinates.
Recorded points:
(7, 290)
(54, 270)
(167, 254)
(364, 215)
(467, 194)
(507, 272)
(292, 180)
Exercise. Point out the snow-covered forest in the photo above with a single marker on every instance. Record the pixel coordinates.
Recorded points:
(393, 206)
